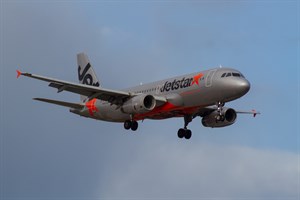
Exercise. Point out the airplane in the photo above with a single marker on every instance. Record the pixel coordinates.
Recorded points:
(202, 94)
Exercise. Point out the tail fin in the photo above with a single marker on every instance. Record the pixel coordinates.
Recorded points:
(86, 73)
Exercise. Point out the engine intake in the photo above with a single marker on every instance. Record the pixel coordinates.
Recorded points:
(139, 104)
(211, 119)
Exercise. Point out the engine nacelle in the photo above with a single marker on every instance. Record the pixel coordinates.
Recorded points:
(139, 104)
(211, 119)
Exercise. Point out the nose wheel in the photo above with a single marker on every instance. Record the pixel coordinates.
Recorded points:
(220, 116)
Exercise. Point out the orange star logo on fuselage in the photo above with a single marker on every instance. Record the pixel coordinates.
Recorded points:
(196, 78)
(91, 106)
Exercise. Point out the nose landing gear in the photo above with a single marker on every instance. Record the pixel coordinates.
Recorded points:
(220, 116)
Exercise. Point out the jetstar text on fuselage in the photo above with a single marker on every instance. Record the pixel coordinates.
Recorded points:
(183, 83)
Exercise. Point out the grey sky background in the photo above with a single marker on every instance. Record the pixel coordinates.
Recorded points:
(49, 153)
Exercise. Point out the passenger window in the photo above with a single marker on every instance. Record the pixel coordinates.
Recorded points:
(223, 75)
(228, 74)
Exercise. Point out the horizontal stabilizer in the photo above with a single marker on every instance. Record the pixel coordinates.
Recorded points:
(61, 103)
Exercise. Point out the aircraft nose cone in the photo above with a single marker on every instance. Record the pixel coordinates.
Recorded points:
(244, 86)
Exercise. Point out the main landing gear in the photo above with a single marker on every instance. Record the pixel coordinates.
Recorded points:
(131, 124)
(185, 132)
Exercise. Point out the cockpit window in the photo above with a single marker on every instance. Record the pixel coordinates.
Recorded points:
(236, 74)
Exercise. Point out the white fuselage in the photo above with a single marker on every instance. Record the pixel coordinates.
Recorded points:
(185, 95)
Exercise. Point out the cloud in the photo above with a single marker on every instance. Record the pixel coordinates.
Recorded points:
(207, 171)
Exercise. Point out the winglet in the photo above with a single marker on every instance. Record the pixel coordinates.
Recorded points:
(19, 73)
(255, 113)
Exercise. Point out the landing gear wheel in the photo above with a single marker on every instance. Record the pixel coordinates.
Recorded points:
(184, 133)
(181, 133)
(188, 134)
(127, 124)
(134, 125)
(220, 116)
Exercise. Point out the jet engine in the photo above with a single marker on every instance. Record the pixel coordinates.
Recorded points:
(211, 120)
(139, 104)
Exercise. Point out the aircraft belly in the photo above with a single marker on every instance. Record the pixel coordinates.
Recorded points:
(112, 113)
(196, 97)
(201, 96)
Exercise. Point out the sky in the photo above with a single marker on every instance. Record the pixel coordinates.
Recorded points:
(49, 153)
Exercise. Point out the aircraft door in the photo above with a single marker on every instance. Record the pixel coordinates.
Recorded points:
(209, 78)
(157, 89)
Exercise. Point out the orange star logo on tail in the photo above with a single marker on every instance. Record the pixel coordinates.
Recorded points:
(91, 106)
(196, 78)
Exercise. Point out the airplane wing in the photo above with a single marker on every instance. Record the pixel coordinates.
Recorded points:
(253, 112)
(207, 110)
(113, 96)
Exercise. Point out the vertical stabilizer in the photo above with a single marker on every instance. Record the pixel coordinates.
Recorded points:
(86, 73)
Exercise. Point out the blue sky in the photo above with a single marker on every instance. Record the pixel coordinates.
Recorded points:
(49, 153)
